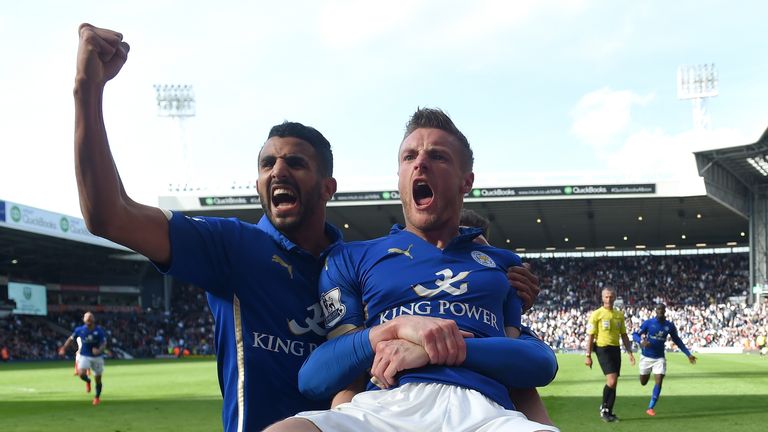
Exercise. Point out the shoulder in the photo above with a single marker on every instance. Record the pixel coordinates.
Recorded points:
(216, 223)
(503, 257)
(355, 248)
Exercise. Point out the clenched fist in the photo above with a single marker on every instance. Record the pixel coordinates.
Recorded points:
(100, 55)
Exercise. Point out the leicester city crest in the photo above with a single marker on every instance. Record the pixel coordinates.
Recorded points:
(483, 259)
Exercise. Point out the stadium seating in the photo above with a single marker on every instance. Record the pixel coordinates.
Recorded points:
(705, 297)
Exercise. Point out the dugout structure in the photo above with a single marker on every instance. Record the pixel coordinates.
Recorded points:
(737, 177)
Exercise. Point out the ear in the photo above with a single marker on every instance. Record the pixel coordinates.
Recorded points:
(469, 180)
(329, 188)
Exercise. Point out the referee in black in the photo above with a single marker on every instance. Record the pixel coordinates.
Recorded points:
(604, 329)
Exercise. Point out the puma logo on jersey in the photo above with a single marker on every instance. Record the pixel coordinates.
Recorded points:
(406, 252)
(444, 284)
(287, 266)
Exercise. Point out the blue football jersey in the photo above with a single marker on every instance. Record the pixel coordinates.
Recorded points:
(368, 283)
(262, 291)
(656, 333)
(91, 339)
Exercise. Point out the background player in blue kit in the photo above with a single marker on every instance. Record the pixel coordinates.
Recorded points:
(652, 336)
(260, 279)
(430, 267)
(94, 341)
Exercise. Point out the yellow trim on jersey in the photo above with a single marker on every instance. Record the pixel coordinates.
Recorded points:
(240, 363)
(607, 326)
(342, 329)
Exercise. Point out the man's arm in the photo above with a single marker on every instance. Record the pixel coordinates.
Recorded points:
(637, 335)
(102, 346)
(64, 347)
(590, 344)
(529, 403)
(526, 284)
(679, 342)
(628, 347)
(522, 362)
(340, 361)
(106, 208)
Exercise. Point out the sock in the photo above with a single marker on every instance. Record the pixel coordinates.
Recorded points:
(85, 378)
(611, 399)
(655, 396)
(606, 393)
(98, 389)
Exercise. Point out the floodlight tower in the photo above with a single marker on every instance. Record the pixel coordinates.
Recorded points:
(178, 102)
(698, 83)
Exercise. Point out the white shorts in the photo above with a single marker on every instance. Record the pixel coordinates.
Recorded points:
(657, 365)
(96, 364)
(422, 407)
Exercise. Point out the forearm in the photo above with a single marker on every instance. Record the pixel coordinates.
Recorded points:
(348, 393)
(529, 403)
(66, 344)
(107, 209)
(681, 345)
(98, 182)
(627, 343)
(527, 361)
(590, 344)
(335, 364)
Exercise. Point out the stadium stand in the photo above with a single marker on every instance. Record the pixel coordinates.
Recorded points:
(705, 294)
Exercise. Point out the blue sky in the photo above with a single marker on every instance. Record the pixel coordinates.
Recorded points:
(548, 92)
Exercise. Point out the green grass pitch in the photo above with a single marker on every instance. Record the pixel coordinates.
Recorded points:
(721, 393)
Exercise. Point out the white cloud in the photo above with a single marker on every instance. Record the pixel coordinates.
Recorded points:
(655, 155)
(600, 117)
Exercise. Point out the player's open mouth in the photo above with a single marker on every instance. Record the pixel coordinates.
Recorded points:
(422, 193)
(283, 197)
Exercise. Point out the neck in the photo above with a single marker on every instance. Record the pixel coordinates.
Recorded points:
(437, 237)
(311, 237)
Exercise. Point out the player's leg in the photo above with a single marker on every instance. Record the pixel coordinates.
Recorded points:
(97, 365)
(83, 364)
(609, 392)
(656, 391)
(610, 362)
(97, 396)
(644, 368)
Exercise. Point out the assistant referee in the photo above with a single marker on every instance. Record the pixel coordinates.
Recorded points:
(605, 327)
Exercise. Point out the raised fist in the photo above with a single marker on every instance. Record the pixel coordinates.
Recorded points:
(100, 55)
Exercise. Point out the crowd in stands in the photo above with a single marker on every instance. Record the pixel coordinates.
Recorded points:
(705, 297)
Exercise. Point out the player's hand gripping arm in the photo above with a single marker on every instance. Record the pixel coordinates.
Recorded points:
(340, 361)
(107, 209)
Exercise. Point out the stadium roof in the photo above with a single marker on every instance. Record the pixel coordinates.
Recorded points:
(748, 163)
(33, 257)
(559, 222)
(566, 220)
